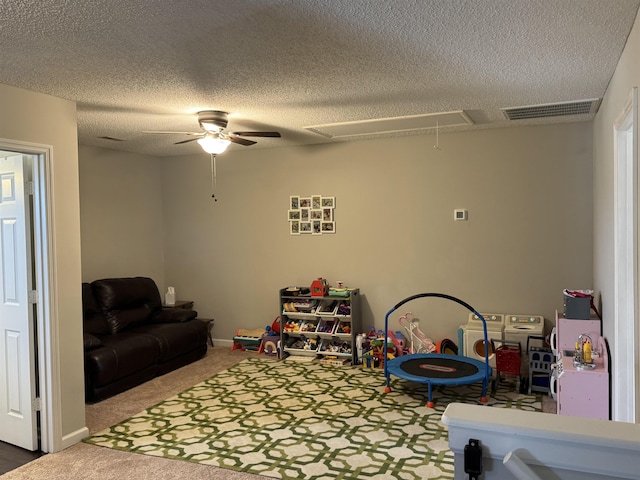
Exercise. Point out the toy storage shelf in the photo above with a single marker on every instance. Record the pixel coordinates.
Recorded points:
(320, 328)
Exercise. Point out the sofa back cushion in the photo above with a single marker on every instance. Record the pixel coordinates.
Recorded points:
(127, 301)
(93, 320)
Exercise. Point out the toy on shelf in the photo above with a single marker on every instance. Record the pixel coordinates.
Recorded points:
(336, 346)
(292, 326)
(309, 325)
(339, 292)
(300, 306)
(344, 327)
(305, 344)
(327, 325)
(327, 308)
(319, 287)
(418, 341)
(248, 339)
(344, 309)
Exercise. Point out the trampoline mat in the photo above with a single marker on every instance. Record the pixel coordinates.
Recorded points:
(438, 368)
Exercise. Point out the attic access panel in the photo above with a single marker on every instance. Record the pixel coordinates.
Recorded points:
(392, 124)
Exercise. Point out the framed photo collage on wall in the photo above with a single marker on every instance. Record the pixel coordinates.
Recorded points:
(312, 215)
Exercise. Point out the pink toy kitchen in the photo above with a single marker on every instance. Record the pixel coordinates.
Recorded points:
(580, 379)
(578, 443)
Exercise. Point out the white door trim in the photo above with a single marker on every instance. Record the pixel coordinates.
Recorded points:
(19, 416)
(47, 321)
(625, 374)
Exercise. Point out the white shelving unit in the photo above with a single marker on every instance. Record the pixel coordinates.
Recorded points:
(320, 327)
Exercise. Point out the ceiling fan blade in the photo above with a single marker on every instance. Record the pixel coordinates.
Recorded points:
(241, 141)
(160, 132)
(258, 134)
(187, 141)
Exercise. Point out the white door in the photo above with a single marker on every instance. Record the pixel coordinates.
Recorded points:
(18, 420)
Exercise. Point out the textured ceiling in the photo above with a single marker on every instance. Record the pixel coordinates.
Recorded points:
(135, 65)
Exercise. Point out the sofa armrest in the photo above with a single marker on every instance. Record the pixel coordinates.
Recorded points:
(90, 341)
(174, 315)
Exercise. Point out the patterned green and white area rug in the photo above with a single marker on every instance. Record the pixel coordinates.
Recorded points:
(294, 420)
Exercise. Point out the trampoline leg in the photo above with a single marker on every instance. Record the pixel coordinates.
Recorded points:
(430, 403)
(484, 398)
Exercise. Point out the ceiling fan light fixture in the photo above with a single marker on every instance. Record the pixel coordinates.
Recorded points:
(213, 121)
(213, 145)
(210, 127)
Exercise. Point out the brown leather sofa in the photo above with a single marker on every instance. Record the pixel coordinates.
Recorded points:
(129, 338)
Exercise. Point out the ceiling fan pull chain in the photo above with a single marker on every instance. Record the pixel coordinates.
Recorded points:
(213, 178)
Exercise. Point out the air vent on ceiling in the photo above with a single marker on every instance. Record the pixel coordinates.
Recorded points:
(392, 125)
(580, 107)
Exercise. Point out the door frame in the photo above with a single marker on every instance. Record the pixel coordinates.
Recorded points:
(625, 389)
(46, 327)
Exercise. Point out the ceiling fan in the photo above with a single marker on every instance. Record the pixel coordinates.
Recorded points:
(212, 138)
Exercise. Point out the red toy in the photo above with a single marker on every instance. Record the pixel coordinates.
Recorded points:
(508, 357)
(319, 287)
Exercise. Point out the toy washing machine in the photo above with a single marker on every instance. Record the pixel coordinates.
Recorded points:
(471, 336)
(518, 328)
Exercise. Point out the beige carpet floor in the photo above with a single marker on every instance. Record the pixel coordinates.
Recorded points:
(84, 461)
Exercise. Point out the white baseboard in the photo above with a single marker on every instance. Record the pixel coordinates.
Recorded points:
(74, 437)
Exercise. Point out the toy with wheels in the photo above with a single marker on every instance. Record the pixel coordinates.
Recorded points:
(508, 359)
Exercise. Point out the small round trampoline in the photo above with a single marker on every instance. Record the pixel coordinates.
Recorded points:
(437, 368)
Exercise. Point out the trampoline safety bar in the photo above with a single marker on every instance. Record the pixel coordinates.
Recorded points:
(434, 368)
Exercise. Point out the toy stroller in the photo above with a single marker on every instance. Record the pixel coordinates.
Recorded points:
(418, 341)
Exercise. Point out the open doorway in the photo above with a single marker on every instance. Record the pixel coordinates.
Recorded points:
(18, 371)
(32, 399)
(626, 356)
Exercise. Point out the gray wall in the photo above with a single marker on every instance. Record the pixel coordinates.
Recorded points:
(121, 214)
(529, 233)
(57, 129)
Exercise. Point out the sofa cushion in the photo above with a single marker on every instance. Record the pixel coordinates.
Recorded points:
(127, 301)
(175, 339)
(91, 341)
(121, 355)
(174, 315)
(93, 320)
